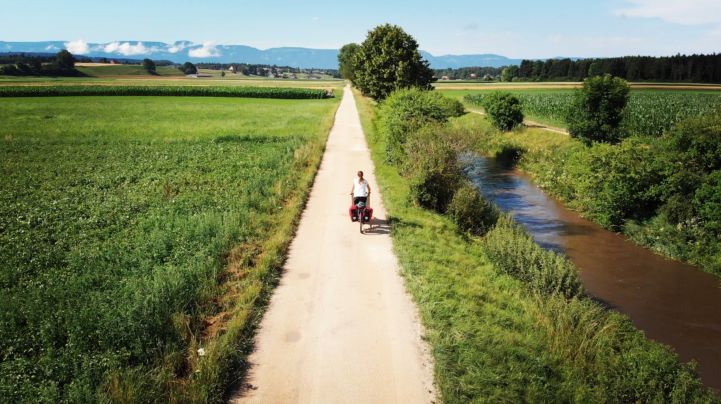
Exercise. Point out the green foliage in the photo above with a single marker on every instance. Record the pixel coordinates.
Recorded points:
(405, 111)
(173, 91)
(471, 211)
(346, 61)
(117, 229)
(493, 341)
(707, 200)
(389, 60)
(615, 183)
(432, 168)
(509, 73)
(597, 110)
(149, 65)
(503, 109)
(188, 68)
(514, 252)
(65, 60)
(649, 112)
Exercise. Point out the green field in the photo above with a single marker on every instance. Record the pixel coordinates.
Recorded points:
(127, 70)
(649, 112)
(133, 229)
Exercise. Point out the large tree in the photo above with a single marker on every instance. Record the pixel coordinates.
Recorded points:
(346, 59)
(65, 60)
(389, 60)
(149, 66)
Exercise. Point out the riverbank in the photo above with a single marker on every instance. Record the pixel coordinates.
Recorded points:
(493, 340)
(619, 194)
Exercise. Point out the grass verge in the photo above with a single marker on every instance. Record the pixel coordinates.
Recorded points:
(498, 335)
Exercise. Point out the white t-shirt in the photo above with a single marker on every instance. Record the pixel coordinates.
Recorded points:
(360, 188)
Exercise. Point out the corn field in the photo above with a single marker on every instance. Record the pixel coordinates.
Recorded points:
(647, 113)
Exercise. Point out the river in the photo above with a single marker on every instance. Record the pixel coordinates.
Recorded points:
(672, 302)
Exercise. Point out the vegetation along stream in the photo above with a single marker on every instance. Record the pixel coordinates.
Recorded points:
(673, 302)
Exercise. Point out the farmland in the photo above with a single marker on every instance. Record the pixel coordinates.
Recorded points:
(133, 229)
(649, 112)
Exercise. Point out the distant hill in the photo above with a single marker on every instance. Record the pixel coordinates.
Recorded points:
(183, 51)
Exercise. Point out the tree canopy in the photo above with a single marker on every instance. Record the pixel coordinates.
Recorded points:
(345, 60)
(389, 60)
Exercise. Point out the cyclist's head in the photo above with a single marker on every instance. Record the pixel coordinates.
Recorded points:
(360, 174)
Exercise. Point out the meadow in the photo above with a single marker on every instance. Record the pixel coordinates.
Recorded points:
(140, 236)
(497, 331)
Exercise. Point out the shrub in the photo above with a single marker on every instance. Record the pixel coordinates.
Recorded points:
(406, 111)
(503, 109)
(707, 200)
(514, 252)
(432, 168)
(188, 68)
(597, 110)
(471, 211)
(614, 183)
(389, 60)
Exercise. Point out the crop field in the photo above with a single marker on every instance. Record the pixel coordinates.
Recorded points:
(205, 91)
(649, 112)
(133, 229)
(177, 81)
(95, 70)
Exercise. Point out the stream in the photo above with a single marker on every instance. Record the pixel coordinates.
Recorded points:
(672, 302)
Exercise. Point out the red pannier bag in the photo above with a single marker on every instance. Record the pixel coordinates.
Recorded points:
(354, 216)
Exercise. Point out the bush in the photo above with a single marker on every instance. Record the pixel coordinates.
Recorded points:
(707, 201)
(389, 60)
(597, 110)
(405, 111)
(614, 183)
(514, 252)
(503, 109)
(432, 168)
(188, 68)
(471, 211)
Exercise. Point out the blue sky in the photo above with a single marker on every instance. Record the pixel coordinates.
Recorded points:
(530, 29)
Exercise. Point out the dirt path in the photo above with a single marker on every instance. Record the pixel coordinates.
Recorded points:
(340, 326)
(531, 124)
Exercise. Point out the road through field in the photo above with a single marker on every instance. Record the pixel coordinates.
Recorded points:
(340, 326)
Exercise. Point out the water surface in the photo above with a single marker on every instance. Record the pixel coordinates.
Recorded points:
(671, 301)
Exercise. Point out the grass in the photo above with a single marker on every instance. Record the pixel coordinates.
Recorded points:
(136, 230)
(496, 340)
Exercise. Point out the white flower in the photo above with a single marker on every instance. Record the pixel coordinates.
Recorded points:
(201, 351)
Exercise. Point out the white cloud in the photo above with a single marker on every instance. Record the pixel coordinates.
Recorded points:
(127, 49)
(685, 12)
(78, 47)
(208, 49)
(176, 47)
(51, 48)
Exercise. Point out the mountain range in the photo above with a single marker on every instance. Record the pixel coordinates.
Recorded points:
(208, 52)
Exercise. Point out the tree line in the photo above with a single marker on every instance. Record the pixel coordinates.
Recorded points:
(678, 68)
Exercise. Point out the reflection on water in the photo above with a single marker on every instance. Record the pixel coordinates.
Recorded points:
(672, 302)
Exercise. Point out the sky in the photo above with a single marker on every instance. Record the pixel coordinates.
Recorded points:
(517, 29)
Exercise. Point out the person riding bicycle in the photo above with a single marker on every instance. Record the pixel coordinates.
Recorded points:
(361, 190)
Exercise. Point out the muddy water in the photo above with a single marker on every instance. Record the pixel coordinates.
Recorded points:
(673, 302)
